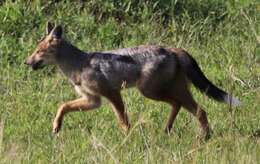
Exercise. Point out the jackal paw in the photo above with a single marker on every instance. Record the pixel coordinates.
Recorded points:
(56, 127)
(125, 128)
(205, 134)
(167, 130)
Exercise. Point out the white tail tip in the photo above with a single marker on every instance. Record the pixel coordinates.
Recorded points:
(232, 100)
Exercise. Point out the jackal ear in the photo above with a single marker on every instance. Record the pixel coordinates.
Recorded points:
(57, 32)
(49, 27)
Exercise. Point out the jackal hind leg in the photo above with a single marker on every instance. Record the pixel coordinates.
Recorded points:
(81, 104)
(189, 103)
(164, 97)
(172, 116)
(153, 88)
(118, 107)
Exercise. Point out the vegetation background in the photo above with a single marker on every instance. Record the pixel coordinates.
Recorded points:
(223, 36)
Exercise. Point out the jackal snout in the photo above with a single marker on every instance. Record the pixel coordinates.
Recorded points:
(47, 48)
(34, 63)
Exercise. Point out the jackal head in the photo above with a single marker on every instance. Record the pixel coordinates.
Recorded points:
(47, 48)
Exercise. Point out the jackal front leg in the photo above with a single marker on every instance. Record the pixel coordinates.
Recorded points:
(81, 104)
(119, 110)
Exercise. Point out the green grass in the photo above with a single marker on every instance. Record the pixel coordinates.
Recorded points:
(222, 36)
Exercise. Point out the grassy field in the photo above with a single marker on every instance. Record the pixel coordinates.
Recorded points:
(223, 36)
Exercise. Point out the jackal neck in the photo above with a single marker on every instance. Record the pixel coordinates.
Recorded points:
(70, 59)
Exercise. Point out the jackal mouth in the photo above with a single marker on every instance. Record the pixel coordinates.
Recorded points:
(37, 65)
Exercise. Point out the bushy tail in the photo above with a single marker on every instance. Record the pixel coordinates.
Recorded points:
(200, 81)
